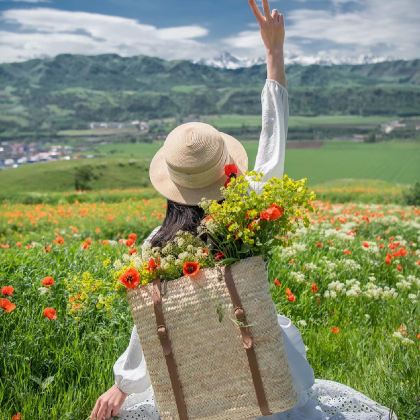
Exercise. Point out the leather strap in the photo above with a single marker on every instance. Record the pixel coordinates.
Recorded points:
(248, 343)
(165, 341)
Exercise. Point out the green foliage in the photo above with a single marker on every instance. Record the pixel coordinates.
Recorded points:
(250, 222)
(83, 177)
(412, 196)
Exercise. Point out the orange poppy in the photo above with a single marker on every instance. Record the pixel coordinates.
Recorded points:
(129, 242)
(191, 268)
(335, 330)
(47, 281)
(151, 265)
(7, 305)
(277, 282)
(347, 252)
(17, 416)
(7, 290)
(273, 212)
(132, 251)
(314, 288)
(131, 278)
(59, 240)
(50, 313)
(132, 236)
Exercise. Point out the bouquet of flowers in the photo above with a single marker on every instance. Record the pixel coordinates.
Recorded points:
(245, 223)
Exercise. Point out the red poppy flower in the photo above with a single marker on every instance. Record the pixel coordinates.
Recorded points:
(151, 265)
(335, 330)
(7, 290)
(273, 212)
(366, 244)
(133, 236)
(130, 242)
(277, 282)
(7, 305)
(131, 278)
(132, 251)
(59, 240)
(191, 268)
(291, 297)
(388, 259)
(50, 313)
(17, 416)
(47, 281)
(231, 170)
(288, 291)
(314, 288)
(347, 252)
(319, 244)
(219, 256)
(399, 267)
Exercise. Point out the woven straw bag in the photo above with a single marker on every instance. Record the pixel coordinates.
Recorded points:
(212, 344)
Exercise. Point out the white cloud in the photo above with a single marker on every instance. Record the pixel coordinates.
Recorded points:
(375, 27)
(42, 32)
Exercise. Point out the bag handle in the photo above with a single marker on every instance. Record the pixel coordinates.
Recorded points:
(165, 341)
(248, 343)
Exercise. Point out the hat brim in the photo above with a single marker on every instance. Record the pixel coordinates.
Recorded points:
(161, 181)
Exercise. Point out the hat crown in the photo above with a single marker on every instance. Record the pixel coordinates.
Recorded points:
(193, 148)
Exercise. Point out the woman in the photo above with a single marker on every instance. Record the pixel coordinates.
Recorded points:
(131, 397)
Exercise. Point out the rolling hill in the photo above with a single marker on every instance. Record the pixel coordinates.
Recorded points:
(68, 91)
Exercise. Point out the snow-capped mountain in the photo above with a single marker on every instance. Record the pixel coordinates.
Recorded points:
(228, 61)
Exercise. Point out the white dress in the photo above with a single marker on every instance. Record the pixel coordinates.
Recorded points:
(318, 398)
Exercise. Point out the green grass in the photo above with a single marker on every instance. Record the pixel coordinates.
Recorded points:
(126, 166)
(58, 368)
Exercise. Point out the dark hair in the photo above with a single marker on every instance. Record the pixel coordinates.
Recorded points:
(178, 217)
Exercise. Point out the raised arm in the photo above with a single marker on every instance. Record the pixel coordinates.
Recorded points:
(272, 33)
(274, 97)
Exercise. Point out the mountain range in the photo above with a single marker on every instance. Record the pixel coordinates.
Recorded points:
(69, 91)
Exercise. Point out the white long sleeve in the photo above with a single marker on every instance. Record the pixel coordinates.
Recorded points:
(130, 370)
(275, 117)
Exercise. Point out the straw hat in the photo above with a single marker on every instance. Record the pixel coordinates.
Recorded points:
(190, 164)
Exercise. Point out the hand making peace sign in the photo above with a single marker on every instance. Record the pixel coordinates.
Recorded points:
(271, 25)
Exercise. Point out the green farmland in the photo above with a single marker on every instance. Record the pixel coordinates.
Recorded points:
(345, 168)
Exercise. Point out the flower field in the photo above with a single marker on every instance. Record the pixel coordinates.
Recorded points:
(350, 282)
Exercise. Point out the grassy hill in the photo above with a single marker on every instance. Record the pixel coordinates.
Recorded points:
(39, 97)
(372, 168)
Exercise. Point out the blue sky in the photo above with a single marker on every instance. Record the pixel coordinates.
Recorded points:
(188, 29)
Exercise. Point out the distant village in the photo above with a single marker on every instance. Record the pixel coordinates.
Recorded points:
(14, 154)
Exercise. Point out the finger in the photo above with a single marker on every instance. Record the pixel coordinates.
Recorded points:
(275, 15)
(256, 11)
(95, 411)
(101, 412)
(266, 9)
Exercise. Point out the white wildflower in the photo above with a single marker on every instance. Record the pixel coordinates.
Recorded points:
(43, 290)
(117, 264)
(298, 276)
